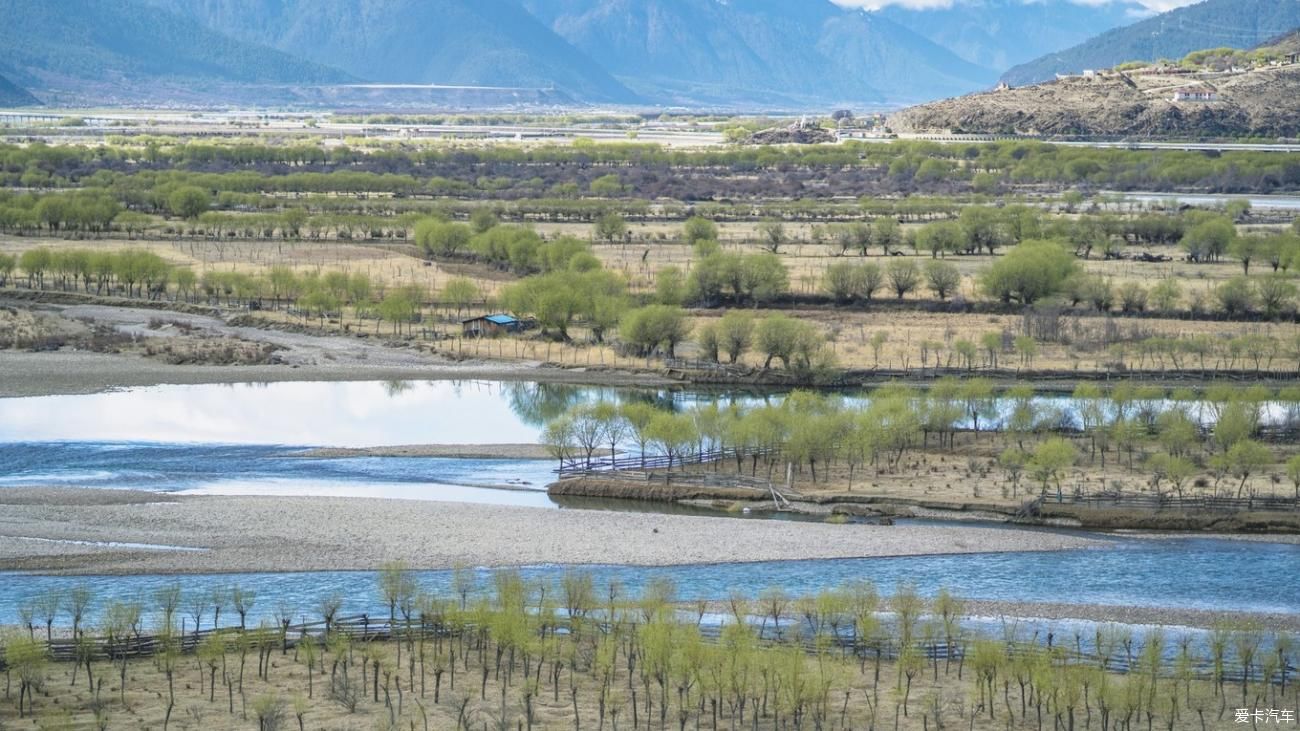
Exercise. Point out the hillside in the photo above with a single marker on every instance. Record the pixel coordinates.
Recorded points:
(117, 46)
(1264, 102)
(1284, 44)
(12, 95)
(999, 34)
(1210, 24)
(461, 42)
(759, 51)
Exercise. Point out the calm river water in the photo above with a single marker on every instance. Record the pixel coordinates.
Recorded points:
(1191, 573)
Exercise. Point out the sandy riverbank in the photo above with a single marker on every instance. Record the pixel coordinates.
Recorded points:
(306, 534)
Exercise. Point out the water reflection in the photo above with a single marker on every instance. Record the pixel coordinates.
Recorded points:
(370, 413)
(267, 470)
(388, 413)
(321, 413)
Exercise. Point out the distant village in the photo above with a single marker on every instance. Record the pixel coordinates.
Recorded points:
(1198, 69)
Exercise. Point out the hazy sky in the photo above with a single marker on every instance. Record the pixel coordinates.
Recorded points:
(1154, 5)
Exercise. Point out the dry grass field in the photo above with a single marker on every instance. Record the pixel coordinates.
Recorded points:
(869, 337)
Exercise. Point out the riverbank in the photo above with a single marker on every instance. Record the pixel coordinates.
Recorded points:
(65, 530)
(89, 344)
(883, 507)
(62, 373)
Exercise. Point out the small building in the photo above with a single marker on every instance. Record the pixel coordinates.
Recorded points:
(1196, 94)
(491, 325)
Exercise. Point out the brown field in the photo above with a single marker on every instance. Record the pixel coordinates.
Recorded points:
(388, 265)
(851, 332)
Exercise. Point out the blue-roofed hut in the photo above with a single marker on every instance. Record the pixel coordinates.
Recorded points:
(491, 325)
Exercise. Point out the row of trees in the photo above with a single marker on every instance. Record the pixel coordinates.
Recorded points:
(520, 654)
(1169, 437)
(316, 293)
(916, 162)
(1040, 270)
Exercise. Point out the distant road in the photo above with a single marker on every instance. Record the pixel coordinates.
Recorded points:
(660, 135)
(240, 122)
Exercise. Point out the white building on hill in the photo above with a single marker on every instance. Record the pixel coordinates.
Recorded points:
(1196, 94)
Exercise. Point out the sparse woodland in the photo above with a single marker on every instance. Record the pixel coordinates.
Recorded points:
(509, 654)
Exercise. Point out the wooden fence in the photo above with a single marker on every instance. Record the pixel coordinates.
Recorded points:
(580, 464)
(360, 627)
(844, 639)
(1189, 503)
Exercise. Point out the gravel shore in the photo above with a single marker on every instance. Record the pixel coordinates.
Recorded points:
(309, 534)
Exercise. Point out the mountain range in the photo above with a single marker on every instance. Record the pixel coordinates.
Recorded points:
(108, 44)
(773, 54)
(998, 34)
(769, 51)
(453, 42)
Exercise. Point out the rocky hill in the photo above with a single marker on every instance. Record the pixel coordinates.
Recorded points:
(1158, 101)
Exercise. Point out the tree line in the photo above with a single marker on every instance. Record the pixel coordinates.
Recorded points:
(1167, 437)
(1008, 163)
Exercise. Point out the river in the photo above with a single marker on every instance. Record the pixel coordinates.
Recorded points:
(1181, 573)
(247, 439)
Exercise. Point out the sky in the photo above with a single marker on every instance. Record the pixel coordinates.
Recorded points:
(1153, 5)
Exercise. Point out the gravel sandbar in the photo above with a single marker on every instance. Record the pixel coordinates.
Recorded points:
(314, 533)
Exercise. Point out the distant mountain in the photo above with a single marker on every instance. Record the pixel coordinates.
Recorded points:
(753, 54)
(759, 51)
(12, 95)
(453, 42)
(999, 34)
(1210, 24)
(126, 42)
